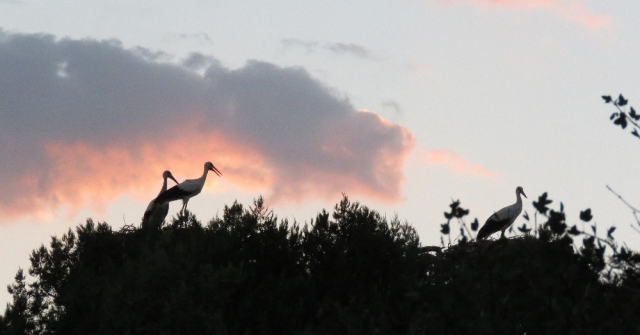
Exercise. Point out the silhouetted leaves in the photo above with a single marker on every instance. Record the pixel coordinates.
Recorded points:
(621, 120)
(456, 211)
(475, 224)
(525, 215)
(541, 204)
(444, 228)
(523, 229)
(464, 238)
(610, 231)
(574, 231)
(621, 101)
(588, 242)
(620, 117)
(556, 222)
(633, 115)
(585, 215)
(17, 319)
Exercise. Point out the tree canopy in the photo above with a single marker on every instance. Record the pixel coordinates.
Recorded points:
(351, 271)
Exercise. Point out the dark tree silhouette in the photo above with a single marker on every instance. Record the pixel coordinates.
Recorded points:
(351, 271)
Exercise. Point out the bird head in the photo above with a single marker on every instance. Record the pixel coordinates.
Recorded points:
(167, 174)
(519, 190)
(209, 166)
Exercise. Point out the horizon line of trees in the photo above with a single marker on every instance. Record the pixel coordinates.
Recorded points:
(351, 271)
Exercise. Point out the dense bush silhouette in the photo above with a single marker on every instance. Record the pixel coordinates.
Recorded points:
(348, 272)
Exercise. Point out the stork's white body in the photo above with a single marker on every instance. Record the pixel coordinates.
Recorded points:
(187, 189)
(154, 214)
(502, 219)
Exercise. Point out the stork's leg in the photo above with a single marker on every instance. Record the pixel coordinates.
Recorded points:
(184, 206)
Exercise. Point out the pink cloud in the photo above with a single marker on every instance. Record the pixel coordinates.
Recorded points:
(574, 10)
(450, 160)
(115, 121)
(85, 175)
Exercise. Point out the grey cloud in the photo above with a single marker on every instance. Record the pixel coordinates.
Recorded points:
(394, 105)
(150, 55)
(350, 49)
(197, 61)
(311, 46)
(97, 92)
(202, 38)
(307, 45)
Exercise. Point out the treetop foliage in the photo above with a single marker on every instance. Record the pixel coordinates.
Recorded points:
(351, 271)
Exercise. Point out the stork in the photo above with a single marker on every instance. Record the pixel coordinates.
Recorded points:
(154, 215)
(187, 189)
(502, 219)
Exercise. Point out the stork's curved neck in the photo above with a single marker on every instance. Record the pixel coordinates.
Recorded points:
(164, 185)
(519, 198)
(204, 174)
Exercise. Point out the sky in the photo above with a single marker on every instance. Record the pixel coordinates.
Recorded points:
(401, 105)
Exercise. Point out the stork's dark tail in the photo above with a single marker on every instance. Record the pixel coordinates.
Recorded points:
(483, 233)
(146, 218)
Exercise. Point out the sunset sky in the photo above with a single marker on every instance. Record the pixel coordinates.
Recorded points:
(402, 105)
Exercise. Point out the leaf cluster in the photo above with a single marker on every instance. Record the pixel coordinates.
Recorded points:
(621, 117)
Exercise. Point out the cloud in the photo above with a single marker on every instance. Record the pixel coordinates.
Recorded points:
(202, 38)
(574, 10)
(311, 46)
(393, 105)
(86, 121)
(197, 61)
(308, 46)
(452, 161)
(348, 48)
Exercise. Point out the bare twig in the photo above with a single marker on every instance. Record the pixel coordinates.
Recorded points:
(622, 199)
(464, 224)
(127, 228)
(634, 210)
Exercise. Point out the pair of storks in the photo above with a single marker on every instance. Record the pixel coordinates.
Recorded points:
(159, 207)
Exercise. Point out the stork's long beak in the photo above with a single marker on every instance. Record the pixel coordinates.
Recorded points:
(524, 195)
(174, 179)
(214, 169)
